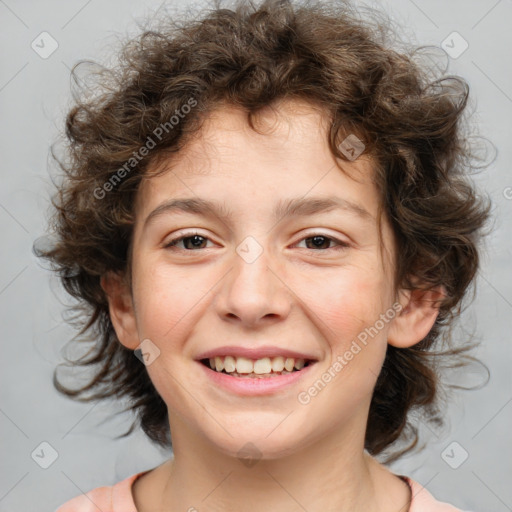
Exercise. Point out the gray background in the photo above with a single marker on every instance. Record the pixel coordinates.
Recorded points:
(34, 96)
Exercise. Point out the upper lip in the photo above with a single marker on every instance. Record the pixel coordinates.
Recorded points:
(255, 353)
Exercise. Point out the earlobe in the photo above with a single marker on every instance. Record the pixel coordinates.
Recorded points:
(122, 313)
(417, 316)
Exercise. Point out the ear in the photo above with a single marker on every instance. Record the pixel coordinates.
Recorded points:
(417, 316)
(122, 312)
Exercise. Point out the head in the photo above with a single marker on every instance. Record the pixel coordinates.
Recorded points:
(269, 112)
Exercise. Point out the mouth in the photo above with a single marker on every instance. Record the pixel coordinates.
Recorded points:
(264, 368)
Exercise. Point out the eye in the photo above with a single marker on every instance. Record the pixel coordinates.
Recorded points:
(194, 240)
(190, 241)
(319, 241)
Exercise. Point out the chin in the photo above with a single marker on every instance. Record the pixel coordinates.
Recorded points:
(250, 445)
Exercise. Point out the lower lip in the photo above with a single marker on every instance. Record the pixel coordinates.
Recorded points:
(248, 386)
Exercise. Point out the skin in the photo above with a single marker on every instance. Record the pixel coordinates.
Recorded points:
(188, 299)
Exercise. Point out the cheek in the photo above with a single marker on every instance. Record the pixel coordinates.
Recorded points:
(165, 297)
(348, 310)
(352, 300)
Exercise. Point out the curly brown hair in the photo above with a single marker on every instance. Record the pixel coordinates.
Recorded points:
(250, 56)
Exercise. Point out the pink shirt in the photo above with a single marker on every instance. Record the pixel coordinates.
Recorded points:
(119, 498)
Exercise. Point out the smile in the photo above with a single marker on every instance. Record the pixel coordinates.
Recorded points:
(265, 367)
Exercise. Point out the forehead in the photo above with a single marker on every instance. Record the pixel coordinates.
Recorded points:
(286, 149)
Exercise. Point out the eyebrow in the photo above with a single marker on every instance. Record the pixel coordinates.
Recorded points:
(284, 208)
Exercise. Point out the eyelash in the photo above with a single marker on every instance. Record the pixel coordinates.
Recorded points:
(341, 244)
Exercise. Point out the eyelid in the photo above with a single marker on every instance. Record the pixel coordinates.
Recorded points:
(184, 234)
(341, 244)
(339, 241)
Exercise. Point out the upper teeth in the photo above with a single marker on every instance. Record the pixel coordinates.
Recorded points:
(260, 366)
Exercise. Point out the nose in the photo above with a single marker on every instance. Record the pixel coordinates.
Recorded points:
(253, 293)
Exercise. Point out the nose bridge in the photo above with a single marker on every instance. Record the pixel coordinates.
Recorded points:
(252, 291)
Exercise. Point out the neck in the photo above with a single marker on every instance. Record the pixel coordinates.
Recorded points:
(330, 474)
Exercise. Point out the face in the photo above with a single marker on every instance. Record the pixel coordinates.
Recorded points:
(267, 270)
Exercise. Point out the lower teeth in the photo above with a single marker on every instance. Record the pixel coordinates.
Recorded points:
(257, 375)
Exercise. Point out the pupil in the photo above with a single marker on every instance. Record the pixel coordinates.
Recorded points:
(317, 240)
(196, 240)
